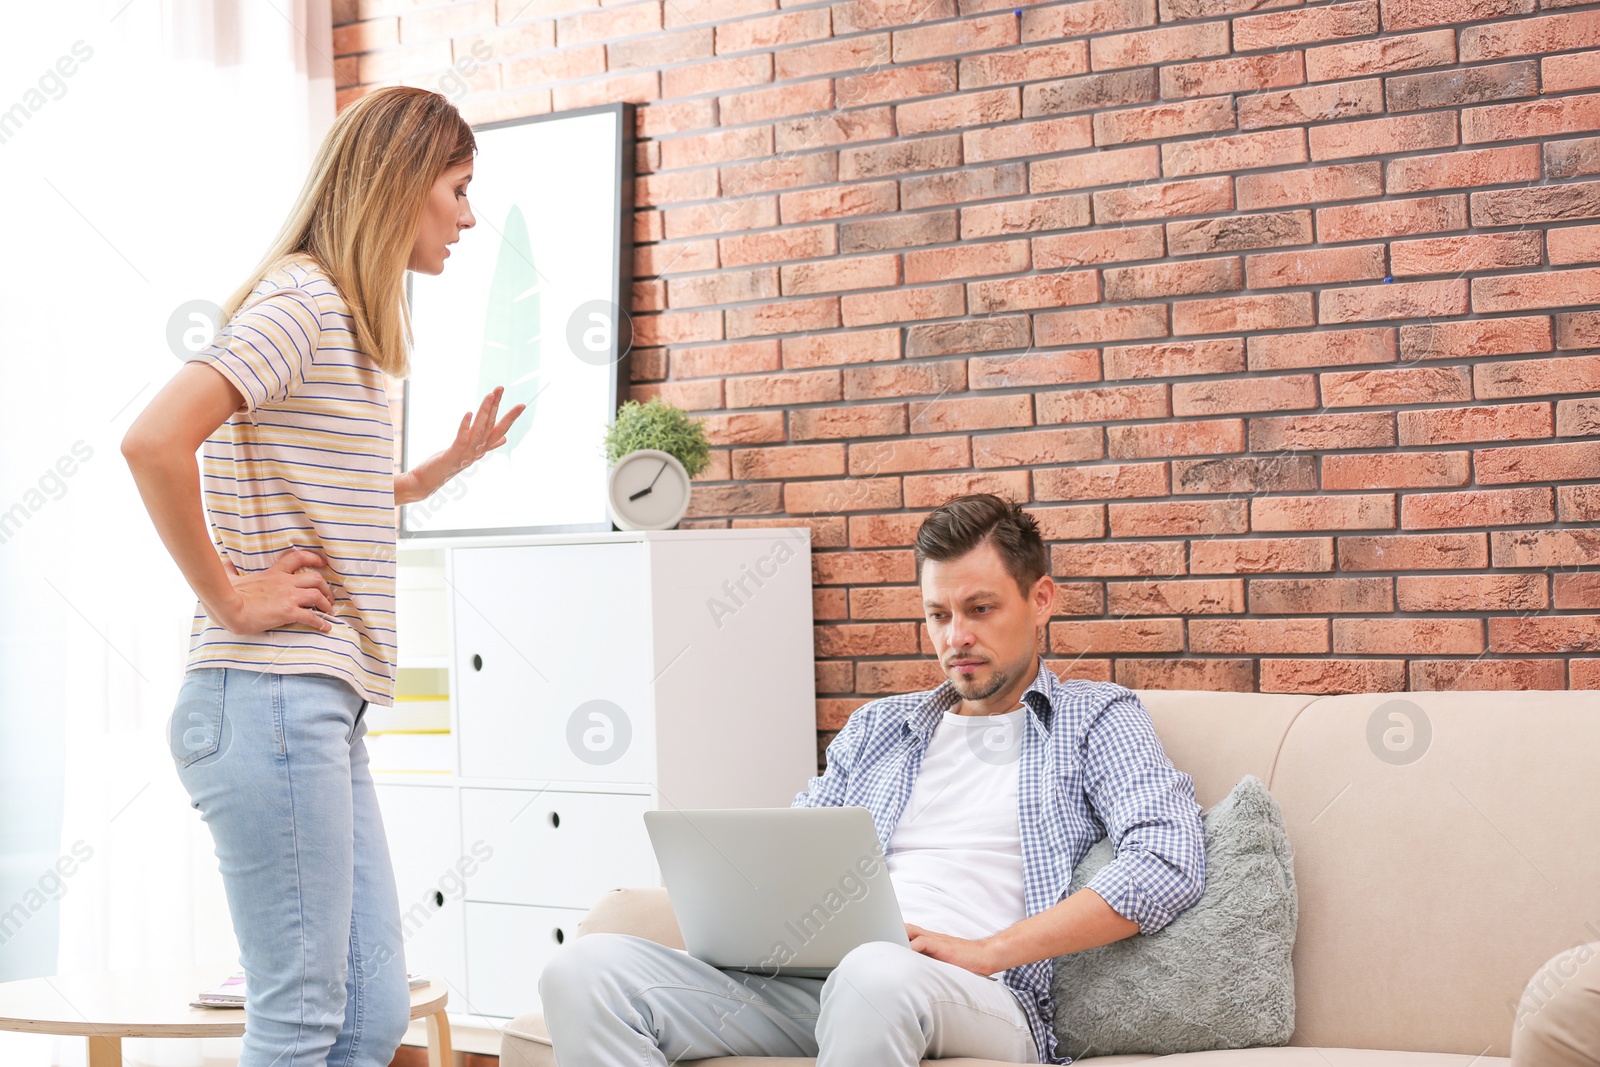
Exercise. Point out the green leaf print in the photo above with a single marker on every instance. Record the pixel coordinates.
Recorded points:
(511, 328)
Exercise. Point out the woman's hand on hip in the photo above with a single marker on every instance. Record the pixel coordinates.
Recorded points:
(288, 591)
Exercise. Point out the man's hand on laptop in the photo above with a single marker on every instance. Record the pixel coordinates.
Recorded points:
(975, 956)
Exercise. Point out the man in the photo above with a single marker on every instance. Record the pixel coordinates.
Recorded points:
(985, 792)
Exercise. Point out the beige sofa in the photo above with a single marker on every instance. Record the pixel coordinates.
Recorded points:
(1430, 891)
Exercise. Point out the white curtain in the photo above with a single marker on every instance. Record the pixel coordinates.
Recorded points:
(149, 149)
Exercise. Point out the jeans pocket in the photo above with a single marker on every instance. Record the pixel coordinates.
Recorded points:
(195, 730)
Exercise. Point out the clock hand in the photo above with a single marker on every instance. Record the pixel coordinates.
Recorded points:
(657, 478)
(652, 484)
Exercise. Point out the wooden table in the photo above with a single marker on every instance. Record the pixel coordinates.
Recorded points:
(108, 1006)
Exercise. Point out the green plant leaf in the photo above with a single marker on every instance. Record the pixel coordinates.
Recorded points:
(657, 424)
(511, 329)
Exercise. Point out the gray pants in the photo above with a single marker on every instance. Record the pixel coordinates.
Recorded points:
(613, 999)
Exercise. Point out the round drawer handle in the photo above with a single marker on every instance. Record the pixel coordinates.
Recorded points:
(477, 662)
(555, 819)
(438, 899)
(560, 936)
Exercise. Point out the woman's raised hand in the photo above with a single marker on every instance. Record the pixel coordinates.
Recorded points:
(478, 436)
(288, 591)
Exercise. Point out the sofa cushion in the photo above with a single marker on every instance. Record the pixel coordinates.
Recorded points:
(1220, 975)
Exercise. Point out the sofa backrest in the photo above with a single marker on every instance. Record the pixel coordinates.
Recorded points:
(1445, 847)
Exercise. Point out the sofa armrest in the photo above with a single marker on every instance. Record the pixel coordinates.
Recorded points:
(642, 911)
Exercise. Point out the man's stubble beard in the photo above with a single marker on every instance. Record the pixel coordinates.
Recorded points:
(996, 683)
(1002, 677)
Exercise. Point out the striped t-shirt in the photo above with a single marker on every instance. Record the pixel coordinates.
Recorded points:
(307, 462)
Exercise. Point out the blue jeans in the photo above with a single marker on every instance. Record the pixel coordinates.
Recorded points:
(277, 766)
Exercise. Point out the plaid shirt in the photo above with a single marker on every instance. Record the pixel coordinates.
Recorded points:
(1091, 766)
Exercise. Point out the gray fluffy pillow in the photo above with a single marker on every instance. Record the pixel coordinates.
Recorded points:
(1217, 976)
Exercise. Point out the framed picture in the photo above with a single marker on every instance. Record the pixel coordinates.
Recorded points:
(534, 297)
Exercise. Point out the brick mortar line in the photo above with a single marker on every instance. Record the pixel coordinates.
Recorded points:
(1425, 320)
(1198, 136)
(1170, 259)
(1149, 220)
(1088, 191)
(1196, 378)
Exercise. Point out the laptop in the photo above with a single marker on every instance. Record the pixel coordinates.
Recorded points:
(777, 891)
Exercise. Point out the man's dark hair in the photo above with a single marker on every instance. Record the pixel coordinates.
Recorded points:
(961, 524)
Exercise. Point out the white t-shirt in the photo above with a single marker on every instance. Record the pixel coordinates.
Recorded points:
(955, 857)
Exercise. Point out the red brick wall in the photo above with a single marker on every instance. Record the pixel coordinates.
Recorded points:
(1281, 320)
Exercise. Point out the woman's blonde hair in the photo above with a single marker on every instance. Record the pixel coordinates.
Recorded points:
(360, 207)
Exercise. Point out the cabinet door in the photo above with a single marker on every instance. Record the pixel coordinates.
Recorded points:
(553, 662)
(508, 946)
(556, 849)
(430, 873)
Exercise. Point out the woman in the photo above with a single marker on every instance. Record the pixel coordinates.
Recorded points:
(294, 633)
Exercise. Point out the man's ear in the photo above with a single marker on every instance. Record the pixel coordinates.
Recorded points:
(1044, 595)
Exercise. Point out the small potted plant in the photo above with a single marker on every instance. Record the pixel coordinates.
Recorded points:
(654, 449)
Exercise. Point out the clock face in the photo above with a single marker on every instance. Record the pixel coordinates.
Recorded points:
(649, 490)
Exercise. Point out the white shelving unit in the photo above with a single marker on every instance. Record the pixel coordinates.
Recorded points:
(587, 678)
